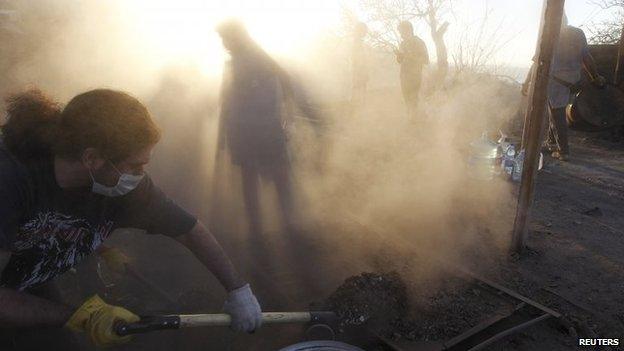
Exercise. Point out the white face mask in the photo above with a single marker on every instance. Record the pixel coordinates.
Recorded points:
(125, 184)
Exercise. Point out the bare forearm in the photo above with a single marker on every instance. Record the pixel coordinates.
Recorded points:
(206, 248)
(23, 310)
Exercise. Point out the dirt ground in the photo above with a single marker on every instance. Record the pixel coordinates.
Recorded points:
(573, 264)
(574, 261)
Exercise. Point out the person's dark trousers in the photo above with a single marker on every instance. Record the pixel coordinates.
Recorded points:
(411, 101)
(410, 87)
(558, 130)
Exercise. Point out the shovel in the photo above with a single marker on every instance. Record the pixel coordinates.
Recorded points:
(153, 323)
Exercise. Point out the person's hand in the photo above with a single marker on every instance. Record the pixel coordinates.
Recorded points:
(97, 318)
(599, 81)
(243, 307)
(115, 259)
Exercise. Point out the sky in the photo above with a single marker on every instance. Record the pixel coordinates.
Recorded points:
(521, 21)
(172, 29)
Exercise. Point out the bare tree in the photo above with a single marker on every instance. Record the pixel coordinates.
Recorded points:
(434, 9)
(608, 31)
(478, 44)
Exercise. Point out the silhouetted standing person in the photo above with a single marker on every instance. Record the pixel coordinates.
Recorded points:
(571, 55)
(412, 56)
(359, 65)
(252, 124)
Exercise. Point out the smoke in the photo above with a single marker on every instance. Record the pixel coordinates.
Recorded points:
(377, 183)
(71, 46)
(402, 185)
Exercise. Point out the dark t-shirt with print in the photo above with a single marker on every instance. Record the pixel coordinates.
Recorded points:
(49, 229)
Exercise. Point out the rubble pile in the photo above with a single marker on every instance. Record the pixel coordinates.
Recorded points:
(378, 299)
(449, 312)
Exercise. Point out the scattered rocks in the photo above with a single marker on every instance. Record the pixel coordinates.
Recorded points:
(451, 311)
(594, 212)
(380, 302)
(375, 298)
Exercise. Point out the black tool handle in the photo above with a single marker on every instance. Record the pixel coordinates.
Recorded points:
(324, 317)
(147, 324)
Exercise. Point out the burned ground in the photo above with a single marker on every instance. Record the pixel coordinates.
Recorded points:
(369, 298)
(573, 264)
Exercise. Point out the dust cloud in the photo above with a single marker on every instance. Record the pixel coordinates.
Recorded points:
(374, 184)
(403, 186)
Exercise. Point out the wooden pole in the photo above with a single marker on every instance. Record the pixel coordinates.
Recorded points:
(619, 70)
(537, 108)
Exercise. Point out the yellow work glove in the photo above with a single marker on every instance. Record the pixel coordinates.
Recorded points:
(97, 318)
(115, 259)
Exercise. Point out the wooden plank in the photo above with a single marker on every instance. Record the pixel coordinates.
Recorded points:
(549, 35)
(509, 292)
(495, 318)
(510, 331)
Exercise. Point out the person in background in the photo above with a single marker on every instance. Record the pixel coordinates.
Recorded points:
(256, 107)
(360, 55)
(68, 178)
(412, 56)
(570, 56)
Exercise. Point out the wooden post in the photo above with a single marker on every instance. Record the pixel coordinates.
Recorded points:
(538, 99)
(619, 70)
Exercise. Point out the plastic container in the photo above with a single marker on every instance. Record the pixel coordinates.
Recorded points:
(518, 162)
(485, 158)
(516, 175)
(504, 141)
(507, 160)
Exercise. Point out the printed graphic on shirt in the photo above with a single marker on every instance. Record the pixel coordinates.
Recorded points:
(50, 244)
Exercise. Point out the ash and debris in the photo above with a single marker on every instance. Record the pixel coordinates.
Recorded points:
(370, 298)
(457, 307)
(380, 302)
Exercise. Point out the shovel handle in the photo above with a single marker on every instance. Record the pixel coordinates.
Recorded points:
(152, 323)
(147, 324)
